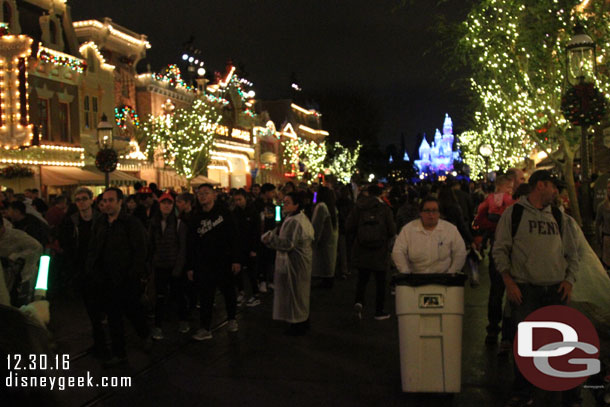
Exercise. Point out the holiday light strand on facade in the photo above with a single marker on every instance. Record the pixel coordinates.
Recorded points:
(92, 45)
(114, 31)
(120, 116)
(173, 76)
(310, 112)
(51, 56)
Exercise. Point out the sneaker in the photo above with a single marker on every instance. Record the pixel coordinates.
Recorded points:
(183, 327)
(253, 302)
(232, 325)
(505, 348)
(358, 310)
(241, 298)
(382, 316)
(262, 287)
(517, 401)
(202, 334)
(157, 334)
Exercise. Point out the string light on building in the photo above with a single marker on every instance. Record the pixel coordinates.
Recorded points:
(121, 114)
(50, 56)
(15, 129)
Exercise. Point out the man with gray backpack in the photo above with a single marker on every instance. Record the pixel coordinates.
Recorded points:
(371, 223)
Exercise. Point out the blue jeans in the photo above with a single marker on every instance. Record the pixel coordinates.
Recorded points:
(533, 298)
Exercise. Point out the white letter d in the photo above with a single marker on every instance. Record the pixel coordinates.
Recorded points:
(525, 334)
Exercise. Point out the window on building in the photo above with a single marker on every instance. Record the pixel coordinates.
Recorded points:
(43, 119)
(125, 89)
(7, 12)
(90, 61)
(64, 122)
(53, 31)
(94, 118)
(87, 111)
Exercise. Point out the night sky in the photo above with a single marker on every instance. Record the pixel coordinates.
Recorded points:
(389, 55)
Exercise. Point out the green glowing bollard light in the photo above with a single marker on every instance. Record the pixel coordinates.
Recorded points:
(43, 273)
(278, 213)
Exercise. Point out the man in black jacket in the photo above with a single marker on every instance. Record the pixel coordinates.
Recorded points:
(212, 258)
(116, 265)
(74, 237)
(30, 224)
(247, 222)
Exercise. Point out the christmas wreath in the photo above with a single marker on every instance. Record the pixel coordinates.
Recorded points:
(16, 171)
(106, 160)
(583, 105)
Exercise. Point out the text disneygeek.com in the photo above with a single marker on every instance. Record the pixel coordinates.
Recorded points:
(28, 371)
(17, 381)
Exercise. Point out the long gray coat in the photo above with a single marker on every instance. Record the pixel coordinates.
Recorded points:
(292, 268)
(325, 242)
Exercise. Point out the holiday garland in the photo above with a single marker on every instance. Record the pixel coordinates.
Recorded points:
(75, 64)
(173, 76)
(16, 171)
(120, 115)
(106, 160)
(583, 104)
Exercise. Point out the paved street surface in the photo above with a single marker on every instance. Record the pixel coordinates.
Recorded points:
(342, 362)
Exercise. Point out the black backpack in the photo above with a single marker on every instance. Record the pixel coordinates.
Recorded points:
(518, 213)
(372, 231)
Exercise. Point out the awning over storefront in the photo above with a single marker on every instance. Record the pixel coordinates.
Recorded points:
(117, 178)
(64, 176)
(200, 179)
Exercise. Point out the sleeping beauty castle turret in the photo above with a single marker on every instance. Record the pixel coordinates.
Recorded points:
(439, 156)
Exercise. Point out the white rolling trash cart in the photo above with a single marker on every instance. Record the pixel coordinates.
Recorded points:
(430, 309)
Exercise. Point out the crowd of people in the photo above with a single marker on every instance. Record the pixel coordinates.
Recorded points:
(179, 248)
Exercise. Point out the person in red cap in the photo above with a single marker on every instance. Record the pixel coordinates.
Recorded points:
(147, 206)
(167, 249)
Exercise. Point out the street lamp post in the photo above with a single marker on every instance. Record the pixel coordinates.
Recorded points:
(106, 159)
(486, 150)
(581, 71)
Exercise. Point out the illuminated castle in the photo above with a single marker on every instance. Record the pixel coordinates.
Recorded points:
(439, 156)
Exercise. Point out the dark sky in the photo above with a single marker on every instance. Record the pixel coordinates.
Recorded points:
(388, 53)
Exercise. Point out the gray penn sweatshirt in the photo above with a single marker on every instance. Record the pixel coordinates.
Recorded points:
(538, 254)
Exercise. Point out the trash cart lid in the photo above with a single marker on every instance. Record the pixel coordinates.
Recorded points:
(419, 279)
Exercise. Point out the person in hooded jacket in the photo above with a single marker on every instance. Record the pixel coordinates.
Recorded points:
(372, 224)
(167, 257)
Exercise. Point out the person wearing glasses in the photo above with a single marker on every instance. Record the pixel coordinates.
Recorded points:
(429, 244)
